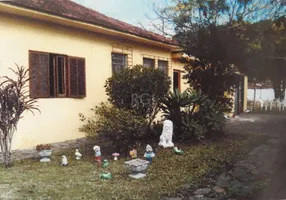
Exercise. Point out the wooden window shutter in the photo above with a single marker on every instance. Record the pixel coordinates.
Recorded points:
(39, 75)
(77, 80)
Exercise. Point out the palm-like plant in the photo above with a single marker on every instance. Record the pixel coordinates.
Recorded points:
(192, 113)
(14, 100)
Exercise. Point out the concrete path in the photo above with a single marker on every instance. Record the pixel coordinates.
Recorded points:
(271, 156)
(261, 173)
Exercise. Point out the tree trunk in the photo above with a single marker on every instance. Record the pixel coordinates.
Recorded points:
(2, 151)
(282, 95)
(5, 150)
(279, 89)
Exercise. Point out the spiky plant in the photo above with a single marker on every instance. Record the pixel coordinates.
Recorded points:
(14, 100)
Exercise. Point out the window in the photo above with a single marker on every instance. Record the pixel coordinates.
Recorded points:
(163, 65)
(54, 75)
(119, 62)
(148, 62)
(176, 80)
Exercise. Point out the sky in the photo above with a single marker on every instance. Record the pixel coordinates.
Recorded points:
(131, 11)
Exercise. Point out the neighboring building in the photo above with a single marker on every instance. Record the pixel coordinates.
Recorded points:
(75, 49)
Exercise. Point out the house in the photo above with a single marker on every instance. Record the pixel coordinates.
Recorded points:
(71, 50)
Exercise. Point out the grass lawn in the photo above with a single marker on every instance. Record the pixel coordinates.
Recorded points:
(30, 179)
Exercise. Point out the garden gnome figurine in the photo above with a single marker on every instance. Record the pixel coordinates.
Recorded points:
(64, 160)
(77, 154)
(167, 134)
(97, 151)
(149, 154)
(133, 153)
(105, 163)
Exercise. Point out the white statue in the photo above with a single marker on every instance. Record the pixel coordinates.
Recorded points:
(167, 134)
(64, 160)
(77, 154)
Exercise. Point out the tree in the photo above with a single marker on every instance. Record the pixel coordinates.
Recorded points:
(265, 59)
(139, 89)
(14, 100)
(274, 48)
(223, 34)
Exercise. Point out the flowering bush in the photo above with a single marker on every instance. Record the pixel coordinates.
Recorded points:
(41, 147)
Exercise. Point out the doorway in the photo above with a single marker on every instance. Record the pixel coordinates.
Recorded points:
(177, 80)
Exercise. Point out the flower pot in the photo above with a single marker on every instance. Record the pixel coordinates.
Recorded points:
(45, 154)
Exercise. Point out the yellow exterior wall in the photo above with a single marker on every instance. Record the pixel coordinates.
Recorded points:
(58, 120)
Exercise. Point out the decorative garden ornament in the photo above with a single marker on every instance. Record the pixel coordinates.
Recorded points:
(105, 163)
(149, 154)
(137, 167)
(177, 151)
(77, 154)
(97, 151)
(115, 155)
(167, 134)
(45, 152)
(64, 160)
(105, 175)
(133, 153)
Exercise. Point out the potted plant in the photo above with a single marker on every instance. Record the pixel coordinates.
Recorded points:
(45, 152)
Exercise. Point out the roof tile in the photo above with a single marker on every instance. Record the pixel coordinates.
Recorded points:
(72, 10)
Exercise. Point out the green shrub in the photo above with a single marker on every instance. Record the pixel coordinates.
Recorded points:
(122, 127)
(211, 115)
(138, 89)
(192, 113)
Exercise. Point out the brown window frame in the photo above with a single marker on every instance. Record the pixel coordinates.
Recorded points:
(78, 59)
(64, 76)
(50, 71)
(179, 79)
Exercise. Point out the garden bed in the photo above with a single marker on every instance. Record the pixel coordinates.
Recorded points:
(30, 179)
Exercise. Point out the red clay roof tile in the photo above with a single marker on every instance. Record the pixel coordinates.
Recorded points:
(72, 10)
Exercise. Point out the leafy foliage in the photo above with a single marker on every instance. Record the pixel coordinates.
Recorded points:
(122, 127)
(215, 81)
(138, 89)
(249, 35)
(14, 100)
(192, 113)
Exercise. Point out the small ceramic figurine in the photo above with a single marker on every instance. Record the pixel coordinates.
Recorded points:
(149, 154)
(106, 175)
(133, 153)
(64, 160)
(97, 151)
(77, 154)
(115, 155)
(177, 151)
(105, 163)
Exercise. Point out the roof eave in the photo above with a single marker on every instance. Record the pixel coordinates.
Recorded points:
(24, 12)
